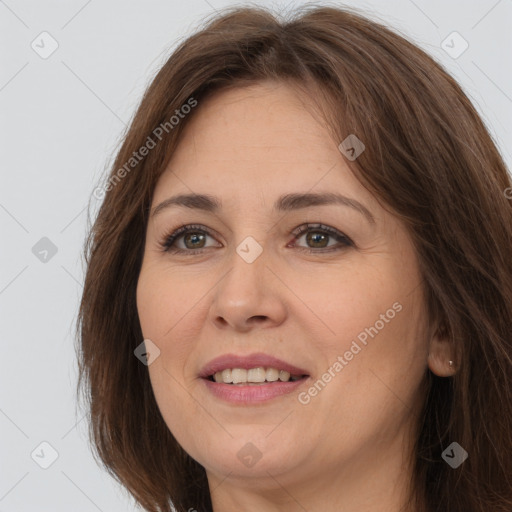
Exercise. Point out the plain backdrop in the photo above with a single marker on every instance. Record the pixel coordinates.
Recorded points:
(61, 120)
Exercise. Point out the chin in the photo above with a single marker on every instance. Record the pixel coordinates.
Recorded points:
(252, 456)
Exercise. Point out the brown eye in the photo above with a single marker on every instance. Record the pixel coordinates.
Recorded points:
(194, 239)
(317, 237)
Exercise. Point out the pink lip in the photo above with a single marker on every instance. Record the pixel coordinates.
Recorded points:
(247, 362)
(240, 394)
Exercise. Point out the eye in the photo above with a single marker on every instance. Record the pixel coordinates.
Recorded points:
(318, 236)
(193, 236)
(194, 239)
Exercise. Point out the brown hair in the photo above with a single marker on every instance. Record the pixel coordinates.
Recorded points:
(428, 157)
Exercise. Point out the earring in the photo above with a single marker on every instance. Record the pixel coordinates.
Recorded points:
(450, 363)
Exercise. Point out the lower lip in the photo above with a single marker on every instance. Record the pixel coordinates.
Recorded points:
(236, 393)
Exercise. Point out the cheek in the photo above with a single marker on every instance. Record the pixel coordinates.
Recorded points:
(379, 360)
(375, 321)
(182, 414)
(161, 301)
(169, 308)
(345, 303)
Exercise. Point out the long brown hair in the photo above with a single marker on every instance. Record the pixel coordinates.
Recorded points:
(428, 158)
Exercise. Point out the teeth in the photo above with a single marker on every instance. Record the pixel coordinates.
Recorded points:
(253, 376)
(256, 375)
(226, 377)
(272, 374)
(284, 376)
(238, 375)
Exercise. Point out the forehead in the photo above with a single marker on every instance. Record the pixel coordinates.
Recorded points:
(263, 140)
(266, 118)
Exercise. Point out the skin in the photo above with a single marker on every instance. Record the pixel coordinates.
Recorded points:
(349, 448)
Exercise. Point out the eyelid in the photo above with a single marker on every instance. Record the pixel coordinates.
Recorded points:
(330, 231)
(176, 234)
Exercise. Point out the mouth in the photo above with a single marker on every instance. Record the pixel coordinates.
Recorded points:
(253, 378)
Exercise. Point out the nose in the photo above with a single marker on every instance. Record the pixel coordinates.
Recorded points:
(249, 295)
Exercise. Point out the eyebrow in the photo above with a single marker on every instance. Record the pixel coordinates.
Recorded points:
(284, 203)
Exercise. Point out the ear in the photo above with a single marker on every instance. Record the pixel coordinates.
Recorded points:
(441, 357)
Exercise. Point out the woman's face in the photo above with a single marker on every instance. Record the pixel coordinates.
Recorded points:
(342, 307)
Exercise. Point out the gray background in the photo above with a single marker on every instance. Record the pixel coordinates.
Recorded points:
(61, 120)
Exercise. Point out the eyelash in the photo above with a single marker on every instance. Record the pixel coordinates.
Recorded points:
(168, 240)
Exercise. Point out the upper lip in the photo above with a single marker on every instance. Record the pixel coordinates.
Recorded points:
(247, 362)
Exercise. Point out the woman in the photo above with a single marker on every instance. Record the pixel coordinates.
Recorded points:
(299, 285)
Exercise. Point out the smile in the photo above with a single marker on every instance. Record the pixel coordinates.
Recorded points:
(246, 379)
(260, 375)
